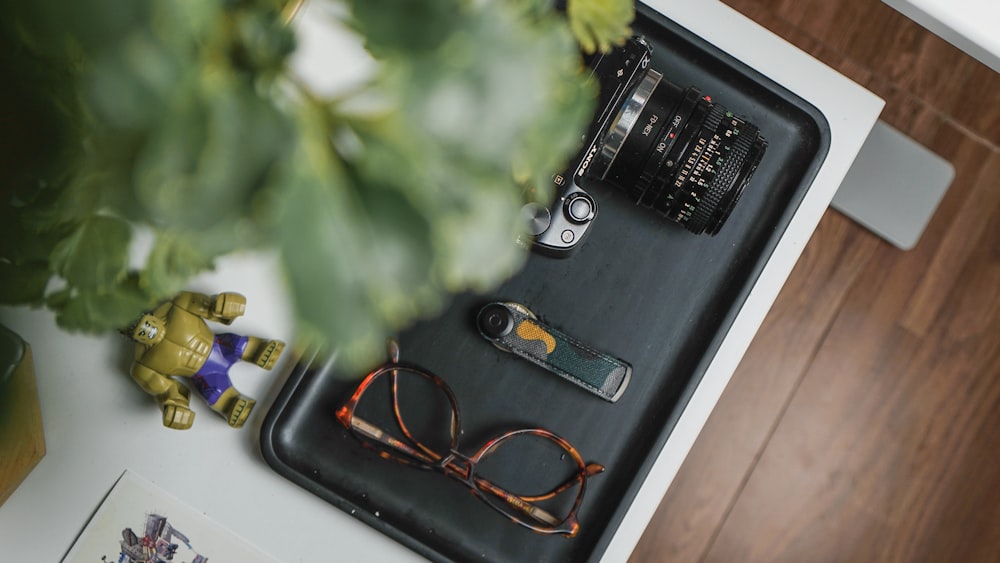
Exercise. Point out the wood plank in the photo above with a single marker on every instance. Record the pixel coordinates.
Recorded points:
(738, 429)
(888, 448)
(944, 269)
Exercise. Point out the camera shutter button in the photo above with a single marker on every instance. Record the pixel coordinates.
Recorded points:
(537, 217)
(580, 208)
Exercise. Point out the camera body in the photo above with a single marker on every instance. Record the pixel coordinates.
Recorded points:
(558, 229)
(670, 149)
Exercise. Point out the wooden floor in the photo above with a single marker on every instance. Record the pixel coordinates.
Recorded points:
(864, 421)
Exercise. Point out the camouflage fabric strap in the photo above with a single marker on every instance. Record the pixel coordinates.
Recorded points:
(513, 328)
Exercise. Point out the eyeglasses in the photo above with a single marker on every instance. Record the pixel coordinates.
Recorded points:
(528, 457)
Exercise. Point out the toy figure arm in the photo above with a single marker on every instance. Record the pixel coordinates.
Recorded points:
(172, 397)
(223, 308)
(228, 306)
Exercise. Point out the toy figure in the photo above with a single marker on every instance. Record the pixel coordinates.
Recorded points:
(174, 340)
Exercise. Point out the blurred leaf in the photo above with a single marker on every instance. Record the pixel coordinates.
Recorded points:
(263, 41)
(131, 87)
(23, 283)
(75, 202)
(204, 164)
(474, 243)
(487, 83)
(500, 93)
(33, 140)
(22, 239)
(173, 260)
(95, 255)
(556, 132)
(390, 26)
(400, 257)
(90, 310)
(49, 27)
(316, 227)
(600, 25)
(532, 10)
(360, 261)
(179, 116)
(38, 119)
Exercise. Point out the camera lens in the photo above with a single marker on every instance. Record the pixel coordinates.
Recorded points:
(675, 151)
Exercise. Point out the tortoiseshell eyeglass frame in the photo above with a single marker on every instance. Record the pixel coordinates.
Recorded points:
(523, 508)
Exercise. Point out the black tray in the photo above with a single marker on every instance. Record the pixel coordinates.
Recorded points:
(640, 288)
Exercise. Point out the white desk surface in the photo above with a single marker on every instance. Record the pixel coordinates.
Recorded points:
(98, 422)
(970, 25)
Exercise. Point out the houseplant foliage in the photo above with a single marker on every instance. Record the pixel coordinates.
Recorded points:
(181, 119)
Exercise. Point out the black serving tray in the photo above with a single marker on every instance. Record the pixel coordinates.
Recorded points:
(639, 287)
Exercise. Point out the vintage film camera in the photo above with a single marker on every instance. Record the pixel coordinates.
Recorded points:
(669, 148)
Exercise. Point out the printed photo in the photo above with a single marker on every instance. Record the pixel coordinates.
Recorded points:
(140, 523)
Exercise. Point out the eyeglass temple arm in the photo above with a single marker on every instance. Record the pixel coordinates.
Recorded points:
(517, 502)
(524, 503)
(375, 433)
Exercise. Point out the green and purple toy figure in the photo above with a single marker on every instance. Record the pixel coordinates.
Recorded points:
(174, 340)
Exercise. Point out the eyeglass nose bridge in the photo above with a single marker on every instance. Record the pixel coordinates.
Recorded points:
(457, 466)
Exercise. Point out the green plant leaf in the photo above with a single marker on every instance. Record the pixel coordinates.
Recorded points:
(205, 164)
(389, 26)
(600, 25)
(173, 260)
(48, 27)
(317, 227)
(22, 239)
(95, 255)
(110, 308)
(23, 283)
(263, 38)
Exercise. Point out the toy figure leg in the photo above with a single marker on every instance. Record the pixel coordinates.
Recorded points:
(234, 406)
(223, 398)
(213, 382)
(264, 353)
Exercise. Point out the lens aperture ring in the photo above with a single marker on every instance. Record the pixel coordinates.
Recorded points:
(731, 156)
(696, 172)
(755, 145)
